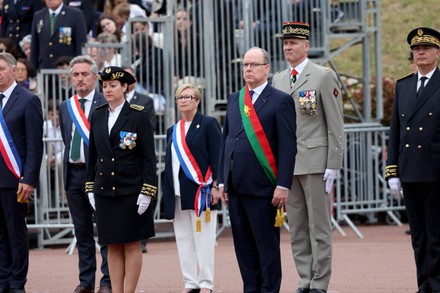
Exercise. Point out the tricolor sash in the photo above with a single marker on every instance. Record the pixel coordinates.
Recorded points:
(79, 118)
(192, 171)
(8, 149)
(257, 137)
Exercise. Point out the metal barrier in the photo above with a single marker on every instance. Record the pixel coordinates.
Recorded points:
(209, 56)
(361, 187)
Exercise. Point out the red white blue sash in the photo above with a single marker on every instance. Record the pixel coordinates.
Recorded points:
(79, 118)
(8, 149)
(192, 169)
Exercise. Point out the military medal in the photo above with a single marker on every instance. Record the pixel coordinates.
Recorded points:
(307, 102)
(128, 140)
(40, 26)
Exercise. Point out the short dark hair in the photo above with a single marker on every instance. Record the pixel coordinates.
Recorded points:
(63, 60)
(30, 69)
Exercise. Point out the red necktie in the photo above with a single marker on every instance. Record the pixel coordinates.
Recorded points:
(293, 77)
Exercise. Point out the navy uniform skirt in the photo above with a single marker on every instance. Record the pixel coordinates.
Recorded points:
(118, 221)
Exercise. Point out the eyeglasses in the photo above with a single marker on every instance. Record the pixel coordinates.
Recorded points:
(185, 98)
(253, 65)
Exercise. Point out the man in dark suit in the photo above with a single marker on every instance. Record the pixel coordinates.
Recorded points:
(58, 30)
(413, 162)
(88, 8)
(21, 149)
(74, 130)
(257, 158)
(17, 18)
(134, 97)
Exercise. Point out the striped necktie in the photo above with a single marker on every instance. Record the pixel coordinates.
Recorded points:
(293, 77)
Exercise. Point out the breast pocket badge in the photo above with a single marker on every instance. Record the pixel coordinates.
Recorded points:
(128, 140)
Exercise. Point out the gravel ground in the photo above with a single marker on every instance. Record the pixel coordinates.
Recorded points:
(381, 262)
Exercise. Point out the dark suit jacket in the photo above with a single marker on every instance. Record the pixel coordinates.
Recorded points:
(276, 111)
(47, 48)
(116, 171)
(414, 139)
(148, 103)
(66, 125)
(88, 9)
(203, 139)
(17, 18)
(24, 120)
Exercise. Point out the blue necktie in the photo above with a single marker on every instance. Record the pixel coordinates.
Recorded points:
(1, 101)
(251, 94)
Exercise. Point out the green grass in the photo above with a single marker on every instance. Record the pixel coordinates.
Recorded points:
(398, 18)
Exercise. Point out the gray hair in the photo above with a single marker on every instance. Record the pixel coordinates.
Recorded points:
(106, 38)
(84, 59)
(12, 62)
(264, 52)
(26, 40)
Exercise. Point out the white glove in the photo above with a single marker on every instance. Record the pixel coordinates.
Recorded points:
(329, 178)
(91, 196)
(143, 202)
(395, 186)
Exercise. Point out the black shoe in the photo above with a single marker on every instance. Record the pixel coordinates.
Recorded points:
(303, 290)
(12, 290)
(318, 291)
(4, 290)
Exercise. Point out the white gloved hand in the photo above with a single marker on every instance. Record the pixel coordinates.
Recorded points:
(91, 196)
(329, 178)
(395, 186)
(143, 202)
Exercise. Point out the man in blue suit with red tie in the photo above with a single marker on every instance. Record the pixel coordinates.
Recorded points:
(21, 147)
(257, 158)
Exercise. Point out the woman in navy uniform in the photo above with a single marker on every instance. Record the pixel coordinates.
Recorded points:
(121, 178)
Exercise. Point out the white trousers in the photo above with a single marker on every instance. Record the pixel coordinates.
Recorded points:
(196, 249)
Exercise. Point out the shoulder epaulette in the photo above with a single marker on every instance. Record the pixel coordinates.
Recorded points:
(137, 107)
(406, 76)
(101, 107)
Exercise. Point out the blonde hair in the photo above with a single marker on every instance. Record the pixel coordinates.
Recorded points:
(196, 92)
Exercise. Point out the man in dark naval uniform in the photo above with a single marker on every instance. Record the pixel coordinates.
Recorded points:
(17, 18)
(58, 30)
(413, 165)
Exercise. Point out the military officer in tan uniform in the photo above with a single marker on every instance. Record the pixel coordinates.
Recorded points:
(318, 103)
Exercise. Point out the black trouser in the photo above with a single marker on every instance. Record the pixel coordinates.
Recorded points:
(422, 202)
(82, 217)
(256, 241)
(14, 243)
